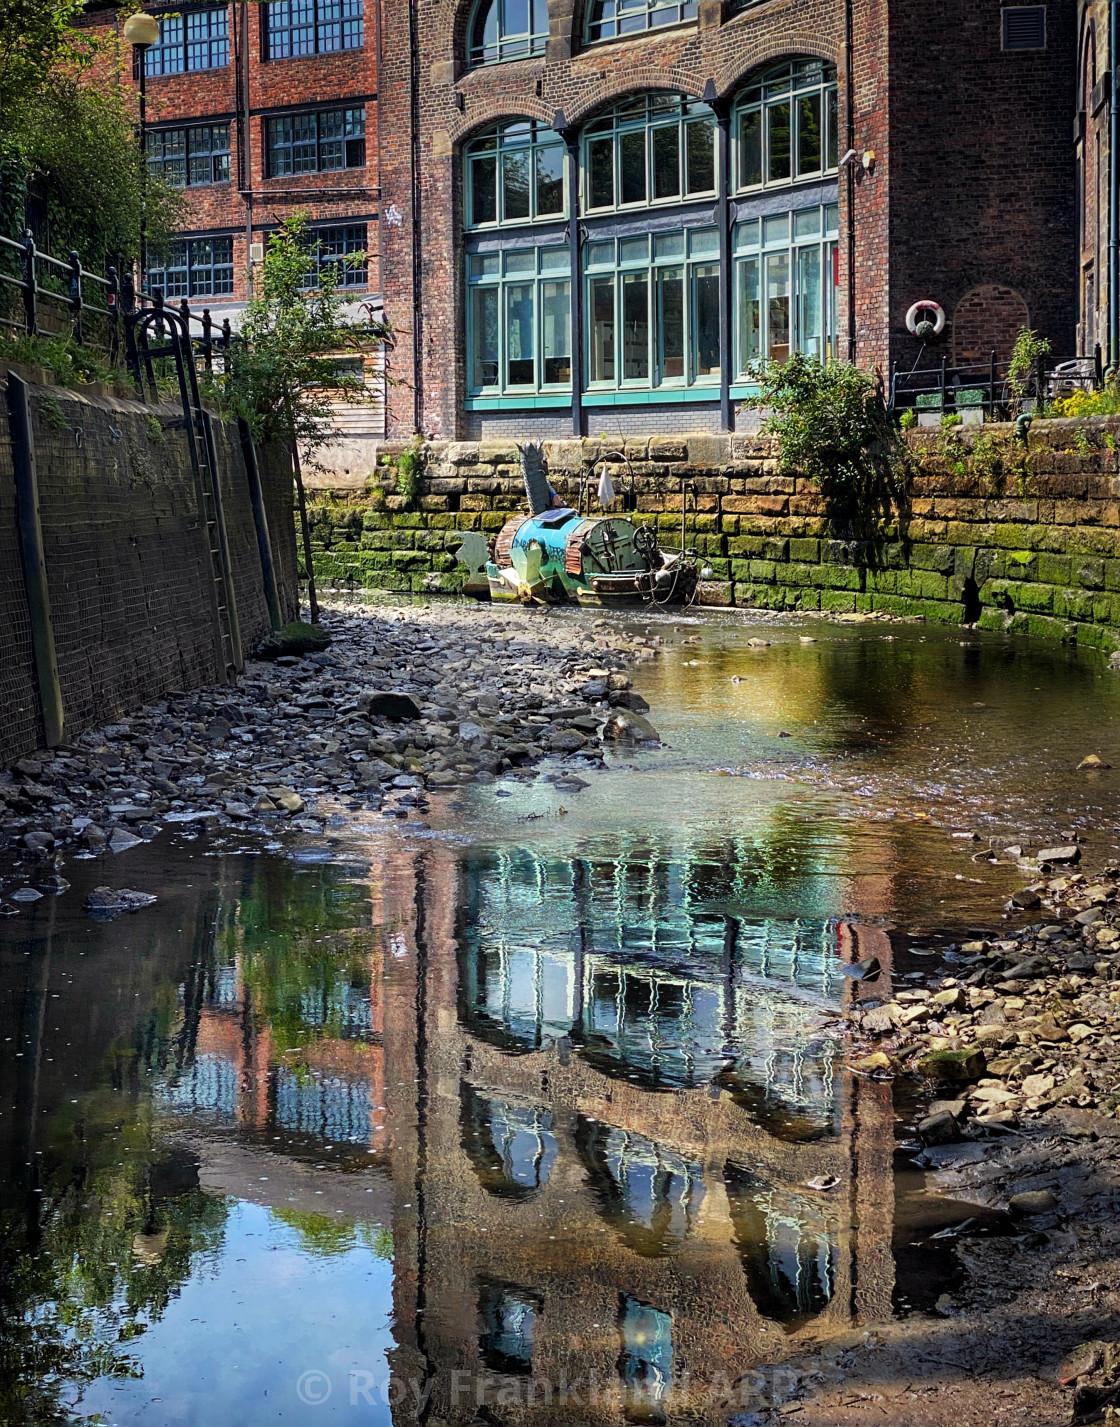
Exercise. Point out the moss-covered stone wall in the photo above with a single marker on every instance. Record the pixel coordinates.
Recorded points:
(990, 530)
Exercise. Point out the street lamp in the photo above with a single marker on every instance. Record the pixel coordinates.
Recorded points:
(141, 32)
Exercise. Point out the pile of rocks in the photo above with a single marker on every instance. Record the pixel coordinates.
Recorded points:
(1028, 1021)
(406, 700)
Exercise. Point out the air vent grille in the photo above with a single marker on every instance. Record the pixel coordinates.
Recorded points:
(1024, 27)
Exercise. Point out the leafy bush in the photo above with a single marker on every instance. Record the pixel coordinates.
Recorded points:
(410, 472)
(834, 431)
(1029, 349)
(1089, 403)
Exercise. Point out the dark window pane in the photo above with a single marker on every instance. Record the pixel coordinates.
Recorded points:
(706, 317)
(602, 329)
(632, 163)
(484, 42)
(484, 182)
(519, 335)
(515, 184)
(670, 322)
(780, 139)
(484, 353)
(666, 162)
(600, 164)
(832, 157)
(550, 179)
(750, 148)
(635, 327)
(810, 141)
(700, 152)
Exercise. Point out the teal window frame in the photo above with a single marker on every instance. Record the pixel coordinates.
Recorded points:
(497, 280)
(679, 269)
(620, 19)
(495, 36)
(772, 122)
(758, 247)
(502, 147)
(641, 126)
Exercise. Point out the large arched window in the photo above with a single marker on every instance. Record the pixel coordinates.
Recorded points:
(515, 174)
(611, 19)
(507, 29)
(786, 136)
(658, 148)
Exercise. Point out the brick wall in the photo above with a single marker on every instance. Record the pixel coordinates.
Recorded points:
(1019, 538)
(126, 562)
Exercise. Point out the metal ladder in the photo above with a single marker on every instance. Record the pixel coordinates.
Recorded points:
(170, 328)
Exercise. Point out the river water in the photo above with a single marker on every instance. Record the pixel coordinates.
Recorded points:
(534, 1108)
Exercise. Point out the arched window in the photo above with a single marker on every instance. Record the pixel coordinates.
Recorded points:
(659, 148)
(611, 19)
(786, 136)
(515, 175)
(786, 125)
(507, 29)
(511, 1146)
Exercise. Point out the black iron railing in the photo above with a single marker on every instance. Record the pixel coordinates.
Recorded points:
(59, 296)
(989, 389)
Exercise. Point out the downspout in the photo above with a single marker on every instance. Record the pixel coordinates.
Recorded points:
(571, 139)
(1113, 189)
(416, 200)
(245, 140)
(850, 85)
(723, 168)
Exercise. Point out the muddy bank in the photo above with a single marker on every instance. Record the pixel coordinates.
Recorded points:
(406, 700)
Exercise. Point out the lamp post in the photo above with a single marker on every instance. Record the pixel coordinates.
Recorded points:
(141, 32)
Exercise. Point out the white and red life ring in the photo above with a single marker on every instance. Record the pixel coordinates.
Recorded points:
(933, 312)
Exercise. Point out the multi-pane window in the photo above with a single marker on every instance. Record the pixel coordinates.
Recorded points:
(786, 126)
(508, 29)
(610, 19)
(786, 286)
(652, 309)
(519, 320)
(312, 143)
(515, 174)
(308, 27)
(197, 39)
(185, 157)
(342, 247)
(195, 267)
(658, 148)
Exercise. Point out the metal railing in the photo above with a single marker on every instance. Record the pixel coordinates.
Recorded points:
(987, 390)
(79, 293)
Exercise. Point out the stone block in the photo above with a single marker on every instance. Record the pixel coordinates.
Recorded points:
(667, 448)
(1090, 574)
(805, 548)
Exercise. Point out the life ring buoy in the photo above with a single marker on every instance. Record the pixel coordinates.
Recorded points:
(936, 318)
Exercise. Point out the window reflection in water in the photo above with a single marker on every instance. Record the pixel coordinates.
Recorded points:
(788, 1246)
(511, 1146)
(508, 1319)
(646, 1361)
(648, 1193)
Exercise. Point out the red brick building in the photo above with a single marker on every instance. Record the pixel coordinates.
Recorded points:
(602, 213)
(257, 111)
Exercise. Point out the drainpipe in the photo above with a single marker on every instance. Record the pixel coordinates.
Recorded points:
(1113, 188)
(571, 138)
(850, 86)
(416, 200)
(723, 169)
(243, 101)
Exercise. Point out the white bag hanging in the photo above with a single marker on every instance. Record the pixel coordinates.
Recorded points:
(606, 488)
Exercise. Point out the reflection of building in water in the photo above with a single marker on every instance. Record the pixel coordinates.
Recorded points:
(611, 1083)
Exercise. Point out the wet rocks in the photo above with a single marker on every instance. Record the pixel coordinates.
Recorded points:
(967, 1063)
(1032, 1201)
(105, 903)
(630, 728)
(396, 708)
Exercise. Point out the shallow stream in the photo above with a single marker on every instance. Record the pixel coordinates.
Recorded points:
(535, 1104)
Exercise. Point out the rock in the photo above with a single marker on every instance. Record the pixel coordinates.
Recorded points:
(93, 837)
(953, 999)
(287, 799)
(121, 840)
(1035, 1086)
(105, 903)
(873, 1064)
(264, 804)
(1029, 970)
(758, 644)
(1060, 855)
(1085, 1359)
(39, 841)
(568, 740)
(397, 708)
(630, 728)
(823, 1183)
(879, 1021)
(1027, 899)
(939, 1129)
(869, 969)
(1092, 761)
(1032, 1201)
(960, 1065)
(26, 894)
(1048, 1029)
(469, 732)
(7, 910)
(295, 638)
(628, 699)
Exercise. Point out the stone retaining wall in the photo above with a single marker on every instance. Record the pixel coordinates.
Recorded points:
(126, 560)
(992, 531)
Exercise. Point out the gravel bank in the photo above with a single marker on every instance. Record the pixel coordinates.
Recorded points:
(407, 699)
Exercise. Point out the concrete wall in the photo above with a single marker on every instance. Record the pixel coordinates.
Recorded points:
(127, 565)
(1025, 538)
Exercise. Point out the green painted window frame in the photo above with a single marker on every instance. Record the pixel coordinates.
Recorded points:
(506, 42)
(758, 246)
(622, 19)
(498, 276)
(643, 124)
(771, 123)
(502, 145)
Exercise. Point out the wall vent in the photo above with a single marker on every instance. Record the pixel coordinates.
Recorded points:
(1024, 27)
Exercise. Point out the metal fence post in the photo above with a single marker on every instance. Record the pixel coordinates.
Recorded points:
(30, 285)
(992, 385)
(34, 561)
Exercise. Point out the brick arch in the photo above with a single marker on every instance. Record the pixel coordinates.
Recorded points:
(793, 44)
(646, 80)
(497, 111)
(987, 319)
